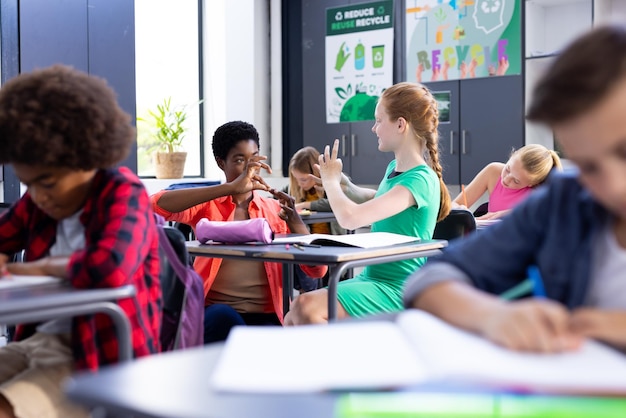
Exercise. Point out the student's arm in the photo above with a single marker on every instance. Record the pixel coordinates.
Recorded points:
(484, 181)
(47, 266)
(605, 325)
(250, 179)
(352, 215)
(527, 325)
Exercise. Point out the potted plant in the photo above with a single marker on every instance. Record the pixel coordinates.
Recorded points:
(169, 159)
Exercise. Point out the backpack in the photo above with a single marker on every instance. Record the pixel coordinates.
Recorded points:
(183, 292)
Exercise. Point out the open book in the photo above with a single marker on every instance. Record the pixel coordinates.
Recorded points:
(17, 281)
(364, 240)
(417, 348)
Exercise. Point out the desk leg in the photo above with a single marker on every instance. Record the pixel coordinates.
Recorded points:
(334, 274)
(288, 274)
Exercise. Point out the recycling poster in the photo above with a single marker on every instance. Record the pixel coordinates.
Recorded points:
(457, 39)
(359, 59)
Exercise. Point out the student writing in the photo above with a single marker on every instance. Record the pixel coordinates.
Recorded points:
(573, 230)
(80, 219)
(510, 183)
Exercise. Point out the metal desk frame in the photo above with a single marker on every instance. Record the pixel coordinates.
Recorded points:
(51, 301)
(338, 259)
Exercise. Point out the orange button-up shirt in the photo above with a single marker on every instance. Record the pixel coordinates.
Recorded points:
(223, 209)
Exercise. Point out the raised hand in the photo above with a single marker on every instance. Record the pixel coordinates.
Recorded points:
(472, 68)
(503, 65)
(330, 165)
(418, 72)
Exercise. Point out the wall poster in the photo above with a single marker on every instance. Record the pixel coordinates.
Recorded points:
(359, 59)
(457, 39)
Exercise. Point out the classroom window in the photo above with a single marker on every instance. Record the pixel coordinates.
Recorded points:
(167, 64)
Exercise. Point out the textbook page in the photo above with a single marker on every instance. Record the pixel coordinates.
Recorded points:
(364, 240)
(16, 281)
(362, 355)
(451, 354)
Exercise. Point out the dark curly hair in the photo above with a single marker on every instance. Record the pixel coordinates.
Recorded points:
(226, 137)
(61, 117)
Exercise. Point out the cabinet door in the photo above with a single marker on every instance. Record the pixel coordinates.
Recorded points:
(447, 94)
(492, 121)
(367, 163)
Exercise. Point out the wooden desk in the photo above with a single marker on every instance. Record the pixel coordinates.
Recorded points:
(51, 301)
(338, 259)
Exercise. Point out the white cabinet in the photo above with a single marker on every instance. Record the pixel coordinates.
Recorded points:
(550, 26)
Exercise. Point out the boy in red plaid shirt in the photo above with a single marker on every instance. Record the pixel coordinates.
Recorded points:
(80, 219)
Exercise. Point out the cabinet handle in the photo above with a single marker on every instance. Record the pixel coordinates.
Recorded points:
(451, 142)
(343, 145)
(463, 141)
(353, 145)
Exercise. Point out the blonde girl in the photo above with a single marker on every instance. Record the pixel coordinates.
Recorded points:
(510, 183)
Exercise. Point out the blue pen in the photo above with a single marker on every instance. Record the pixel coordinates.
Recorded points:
(533, 284)
(539, 291)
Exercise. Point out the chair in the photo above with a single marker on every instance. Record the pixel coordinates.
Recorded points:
(481, 210)
(186, 230)
(457, 224)
(174, 292)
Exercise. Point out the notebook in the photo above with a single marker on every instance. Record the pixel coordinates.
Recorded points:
(364, 240)
(416, 348)
(18, 281)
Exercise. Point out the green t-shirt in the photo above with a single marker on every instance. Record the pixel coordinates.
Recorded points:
(416, 221)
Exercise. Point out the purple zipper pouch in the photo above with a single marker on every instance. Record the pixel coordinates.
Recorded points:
(234, 232)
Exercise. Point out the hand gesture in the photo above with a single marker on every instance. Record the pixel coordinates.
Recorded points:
(288, 212)
(532, 325)
(250, 178)
(435, 75)
(418, 72)
(503, 65)
(444, 70)
(472, 68)
(463, 69)
(330, 166)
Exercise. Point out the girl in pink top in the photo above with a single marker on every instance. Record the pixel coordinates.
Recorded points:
(508, 184)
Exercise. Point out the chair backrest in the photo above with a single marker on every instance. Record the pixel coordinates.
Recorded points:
(457, 224)
(482, 209)
(187, 230)
(183, 293)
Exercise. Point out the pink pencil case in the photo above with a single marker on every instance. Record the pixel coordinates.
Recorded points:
(234, 232)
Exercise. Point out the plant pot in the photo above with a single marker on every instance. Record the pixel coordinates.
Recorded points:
(169, 165)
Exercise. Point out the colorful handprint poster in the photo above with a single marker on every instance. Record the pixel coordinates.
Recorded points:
(359, 59)
(457, 39)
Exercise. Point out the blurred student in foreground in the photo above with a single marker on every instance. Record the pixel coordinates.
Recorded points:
(574, 230)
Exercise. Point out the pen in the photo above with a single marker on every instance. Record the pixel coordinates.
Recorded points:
(533, 284)
(298, 246)
(464, 195)
(539, 291)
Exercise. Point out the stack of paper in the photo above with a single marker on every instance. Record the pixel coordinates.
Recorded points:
(417, 348)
